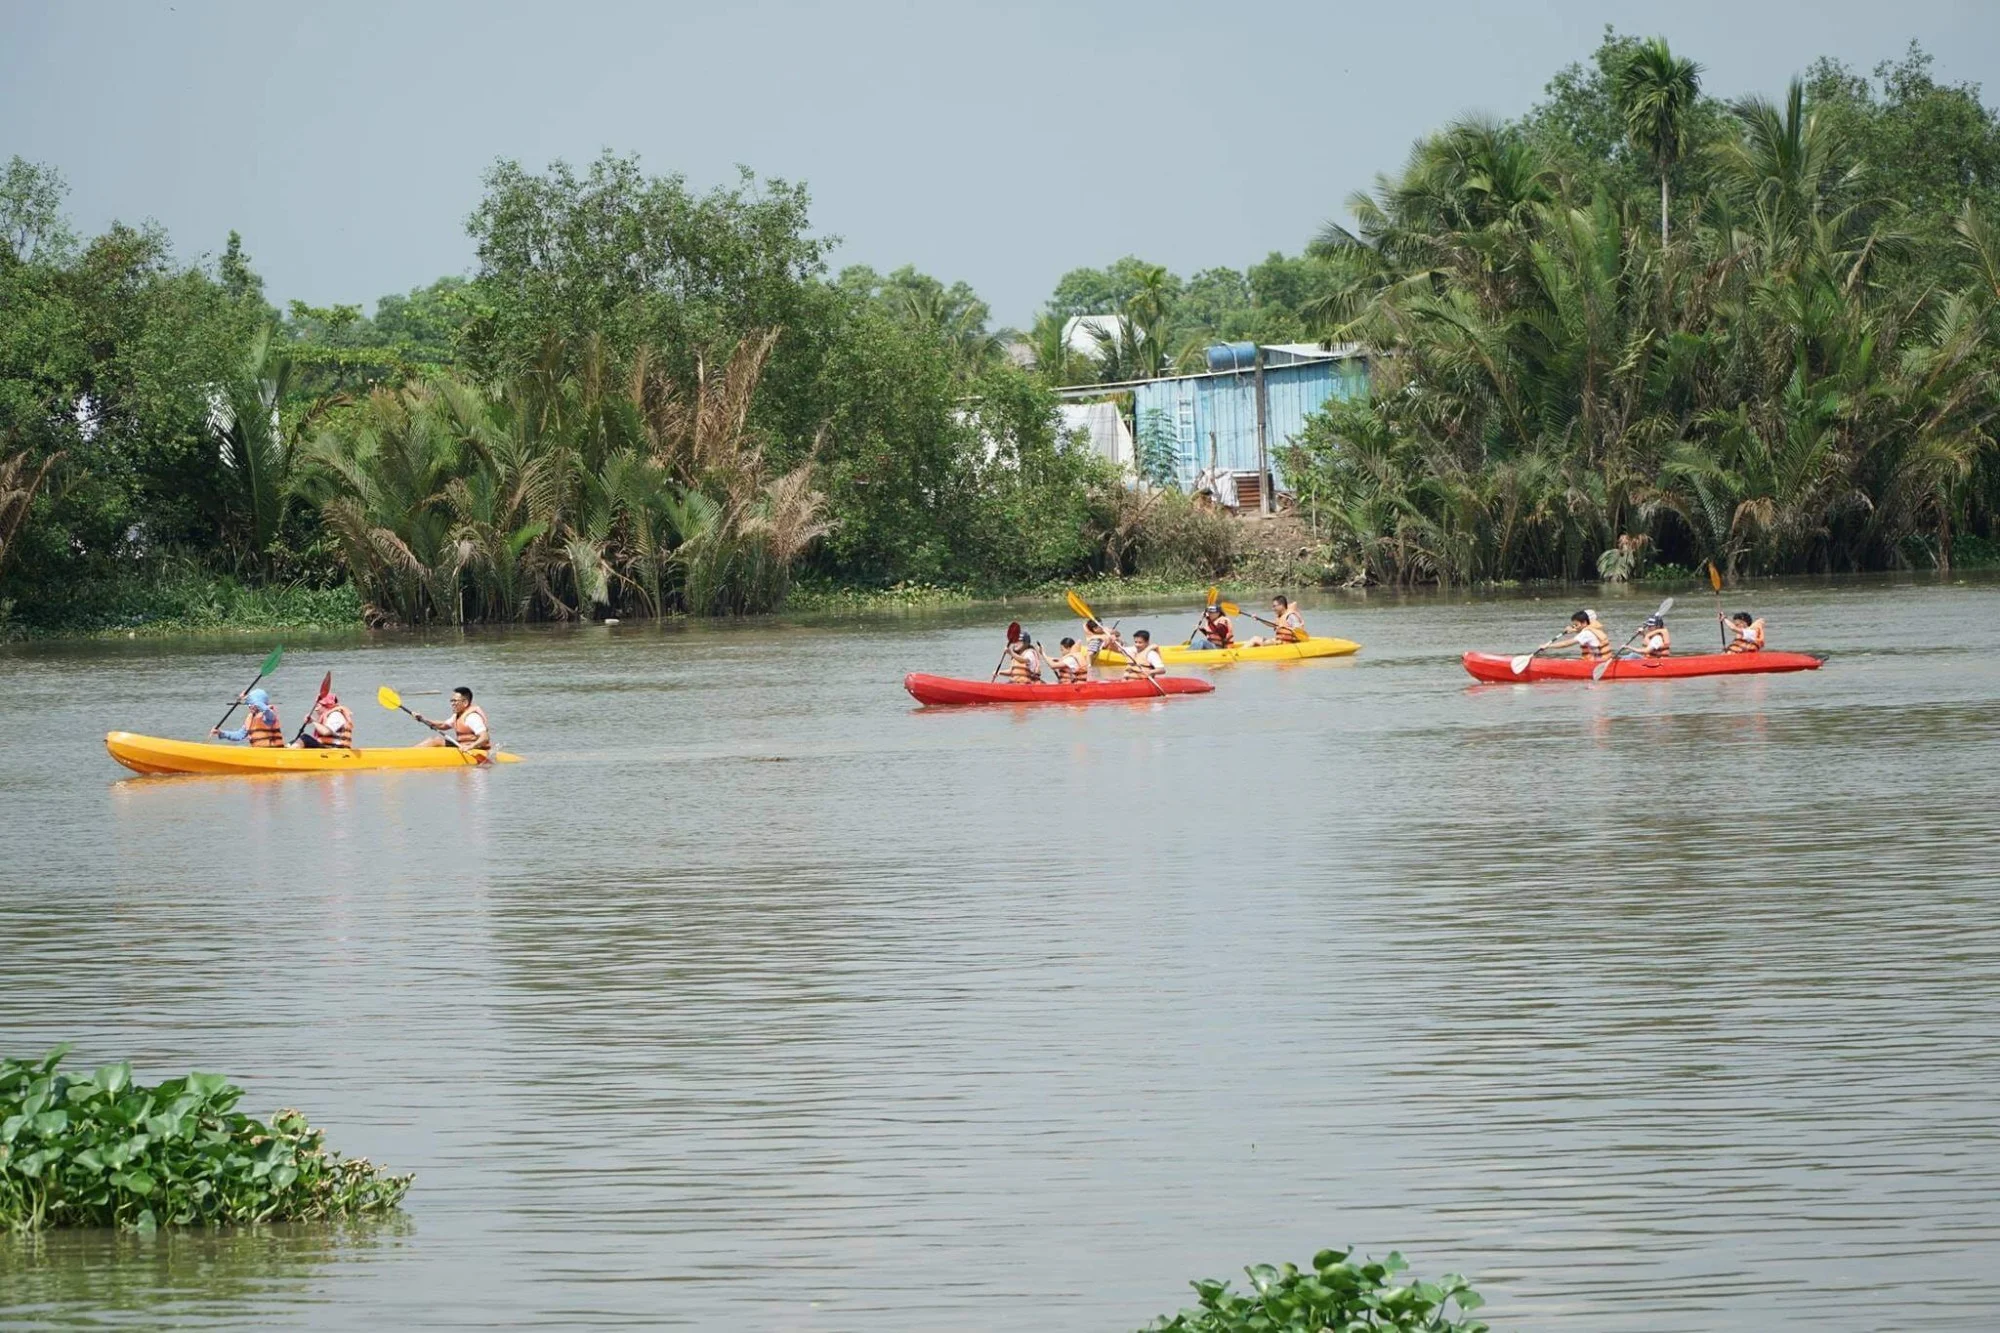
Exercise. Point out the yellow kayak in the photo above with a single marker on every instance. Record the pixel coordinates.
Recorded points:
(1180, 654)
(153, 754)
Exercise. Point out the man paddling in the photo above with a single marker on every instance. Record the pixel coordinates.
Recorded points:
(1289, 625)
(260, 727)
(1746, 634)
(1586, 634)
(1097, 639)
(1146, 659)
(466, 727)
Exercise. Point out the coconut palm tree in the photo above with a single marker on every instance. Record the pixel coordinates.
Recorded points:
(1656, 92)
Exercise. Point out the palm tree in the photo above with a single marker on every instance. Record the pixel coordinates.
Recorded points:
(1656, 93)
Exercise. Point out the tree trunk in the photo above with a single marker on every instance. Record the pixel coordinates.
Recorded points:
(1663, 210)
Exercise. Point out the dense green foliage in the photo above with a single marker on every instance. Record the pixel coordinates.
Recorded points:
(1640, 326)
(1799, 375)
(1336, 1295)
(104, 1151)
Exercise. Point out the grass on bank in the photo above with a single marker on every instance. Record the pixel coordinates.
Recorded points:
(104, 1151)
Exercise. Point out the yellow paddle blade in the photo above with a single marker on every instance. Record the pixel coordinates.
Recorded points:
(1714, 577)
(388, 698)
(1213, 593)
(1231, 609)
(1078, 605)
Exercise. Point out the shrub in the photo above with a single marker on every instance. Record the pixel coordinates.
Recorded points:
(107, 1152)
(1337, 1296)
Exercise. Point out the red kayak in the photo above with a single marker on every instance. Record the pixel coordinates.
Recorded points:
(946, 690)
(1496, 667)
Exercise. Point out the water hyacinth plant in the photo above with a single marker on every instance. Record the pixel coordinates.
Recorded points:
(1335, 1296)
(104, 1151)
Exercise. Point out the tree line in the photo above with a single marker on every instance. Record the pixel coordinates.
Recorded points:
(1637, 325)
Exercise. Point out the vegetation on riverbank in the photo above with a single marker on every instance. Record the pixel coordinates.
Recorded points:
(1335, 1293)
(1638, 327)
(104, 1151)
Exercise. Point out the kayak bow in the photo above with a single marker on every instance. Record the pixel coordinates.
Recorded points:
(1500, 668)
(155, 754)
(945, 690)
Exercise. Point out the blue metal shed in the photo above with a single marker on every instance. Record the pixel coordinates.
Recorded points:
(1215, 415)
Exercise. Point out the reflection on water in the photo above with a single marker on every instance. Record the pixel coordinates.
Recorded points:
(760, 998)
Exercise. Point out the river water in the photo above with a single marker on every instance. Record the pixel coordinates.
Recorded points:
(760, 998)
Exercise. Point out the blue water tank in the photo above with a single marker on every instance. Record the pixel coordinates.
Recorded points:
(1232, 356)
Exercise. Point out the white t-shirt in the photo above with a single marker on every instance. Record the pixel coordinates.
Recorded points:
(473, 723)
(1591, 637)
(1656, 641)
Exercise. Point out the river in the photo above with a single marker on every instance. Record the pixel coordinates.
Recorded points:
(760, 998)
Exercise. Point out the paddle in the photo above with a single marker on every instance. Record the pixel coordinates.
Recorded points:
(1605, 665)
(325, 684)
(1232, 609)
(1082, 609)
(270, 665)
(1721, 621)
(1214, 595)
(1013, 633)
(1521, 660)
(393, 701)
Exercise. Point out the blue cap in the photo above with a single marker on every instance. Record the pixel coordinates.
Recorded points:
(257, 699)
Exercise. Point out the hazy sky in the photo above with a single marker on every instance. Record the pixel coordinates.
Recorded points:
(1002, 144)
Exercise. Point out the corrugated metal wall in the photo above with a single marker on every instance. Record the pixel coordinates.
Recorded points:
(1222, 409)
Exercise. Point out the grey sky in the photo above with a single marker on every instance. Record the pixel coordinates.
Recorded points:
(1002, 144)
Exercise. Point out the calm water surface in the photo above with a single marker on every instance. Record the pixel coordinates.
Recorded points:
(760, 998)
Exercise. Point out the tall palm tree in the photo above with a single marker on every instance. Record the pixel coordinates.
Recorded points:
(1656, 92)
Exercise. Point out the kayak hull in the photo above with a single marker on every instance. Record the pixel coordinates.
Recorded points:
(946, 691)
(1500, 668)
(1181, 655)
(158, 755)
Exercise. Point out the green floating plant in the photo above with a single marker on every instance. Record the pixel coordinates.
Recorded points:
(104, 1151)
(1336, 1296)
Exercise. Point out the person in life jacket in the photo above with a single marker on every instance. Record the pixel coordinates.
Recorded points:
(1074, 663)
(1290, 626)
(328, 727)
(1024, 662)
(1215, 631)
(1746, 634)
(1654, 640)
(466, 727)
(260, 725)
(1586, 633)
(1146, 659)
(1097, 639)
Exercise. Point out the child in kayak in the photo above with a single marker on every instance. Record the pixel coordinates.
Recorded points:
(328, 727)
(1586, 634)
(1654, 641)
(1146, 659)
(1747, 634)
(260, 725)
(1073, 666)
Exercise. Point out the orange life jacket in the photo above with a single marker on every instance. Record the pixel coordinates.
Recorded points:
(261, 729)
(1749, 638)
(1073, 665)
(1601, 647)
(327, 735)
(1022, 668)
(1290, 626)
(462, 731)
(1145, 662)
(1218, 630)
(1657, 642)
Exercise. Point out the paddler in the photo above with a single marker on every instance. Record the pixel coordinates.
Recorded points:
(328, 727)
(1287, 624)
(1214, 631)
(260, 725)
(1746, 634)
(1654, 641)
(1098, 639)
(1146, 659)
(466, 728)
(1586, 634)
(1024, 661)
(1073, 665)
